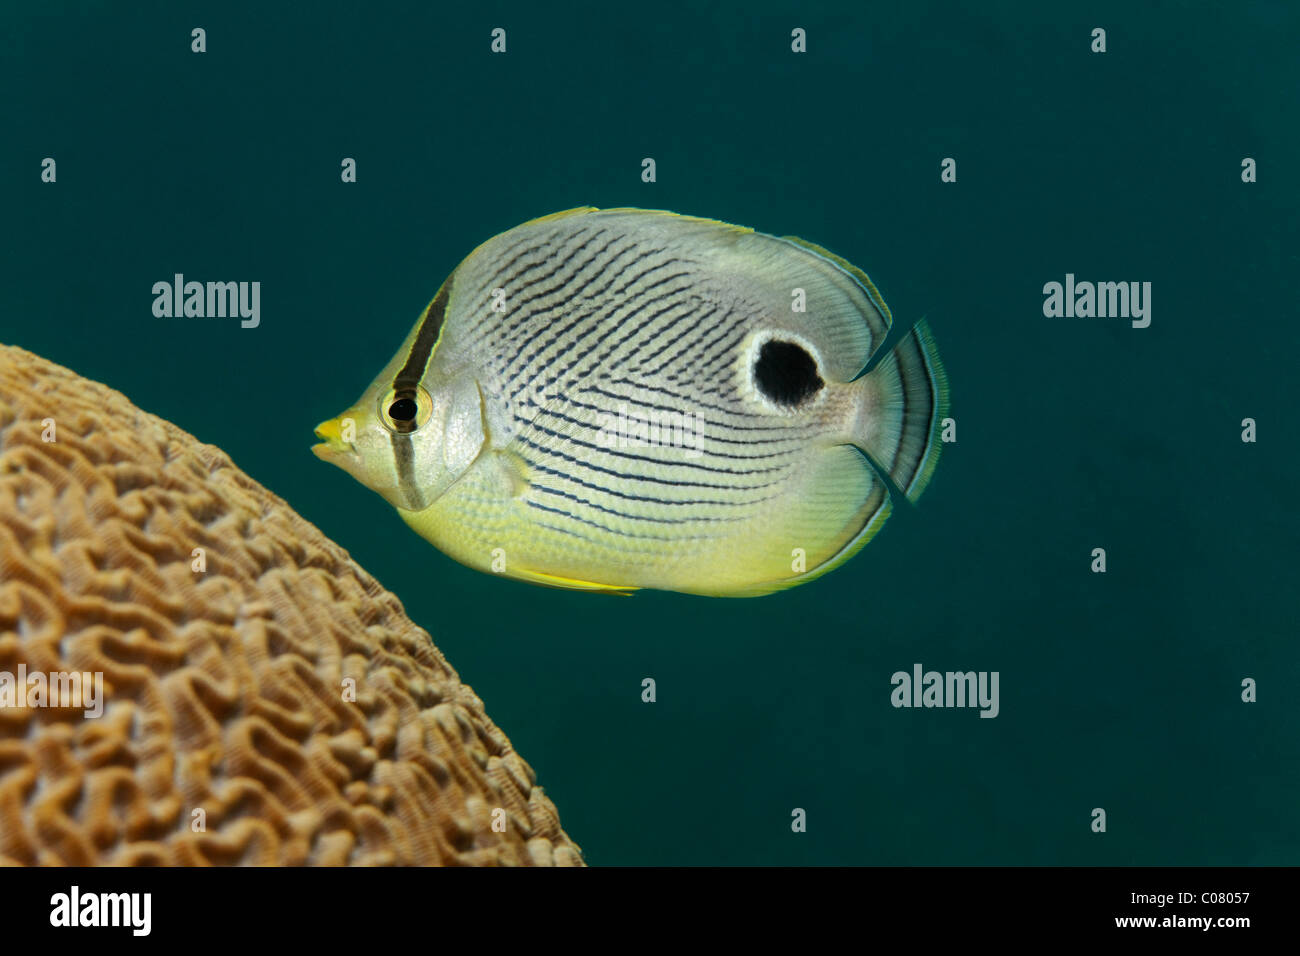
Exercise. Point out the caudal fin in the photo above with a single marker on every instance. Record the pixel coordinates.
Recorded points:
(905, 402)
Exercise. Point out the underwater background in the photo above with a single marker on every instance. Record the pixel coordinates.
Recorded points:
(1119, 690)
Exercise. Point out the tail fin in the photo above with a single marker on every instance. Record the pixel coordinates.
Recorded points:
(905, 399)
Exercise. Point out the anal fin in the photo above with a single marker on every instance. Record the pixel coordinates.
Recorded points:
(571, 584)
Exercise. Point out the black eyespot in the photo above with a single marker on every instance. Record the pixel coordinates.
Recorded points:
(403, 410)
(786, 374)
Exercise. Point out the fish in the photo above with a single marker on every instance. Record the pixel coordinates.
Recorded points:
(615, 399)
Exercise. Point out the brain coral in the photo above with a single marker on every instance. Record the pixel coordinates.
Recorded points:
(265, 700)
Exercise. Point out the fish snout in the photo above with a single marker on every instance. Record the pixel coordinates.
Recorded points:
(332, 446)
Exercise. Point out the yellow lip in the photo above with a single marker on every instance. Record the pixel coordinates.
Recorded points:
(329, 430)
(333, 440)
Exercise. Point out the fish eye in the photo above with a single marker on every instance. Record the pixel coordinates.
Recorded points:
(406, 409)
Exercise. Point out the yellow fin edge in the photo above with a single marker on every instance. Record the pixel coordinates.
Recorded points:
(570, 584)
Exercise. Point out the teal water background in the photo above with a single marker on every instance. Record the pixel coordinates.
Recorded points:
(1118, 690)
